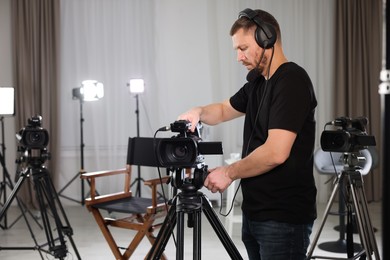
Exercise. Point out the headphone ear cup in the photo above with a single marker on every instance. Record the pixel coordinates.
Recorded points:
(262, 39)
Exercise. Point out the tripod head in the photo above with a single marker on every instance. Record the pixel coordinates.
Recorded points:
(186, 180)
(34, 158)
(352, 160)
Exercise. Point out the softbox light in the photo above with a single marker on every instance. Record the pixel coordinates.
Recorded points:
(7, 101)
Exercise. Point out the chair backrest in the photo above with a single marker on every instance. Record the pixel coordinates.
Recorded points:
(324, 164)
(141, 151)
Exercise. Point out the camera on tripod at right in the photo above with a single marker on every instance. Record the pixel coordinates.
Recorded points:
(350, 135)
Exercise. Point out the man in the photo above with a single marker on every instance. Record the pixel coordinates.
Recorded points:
(276, 169)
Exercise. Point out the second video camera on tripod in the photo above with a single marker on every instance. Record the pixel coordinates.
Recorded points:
(33, 140)
(186, 149)
(351, 136)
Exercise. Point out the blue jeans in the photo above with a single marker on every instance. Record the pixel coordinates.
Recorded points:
(271, 240)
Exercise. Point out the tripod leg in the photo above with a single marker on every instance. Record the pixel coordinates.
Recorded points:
(366, 230)
(180, 236)
(68, 231)
(43, 191)
(197, 241)
(219, 229)
(22, 207)
(13, 194)
(48, 198)
(325, 216)
(165, 232)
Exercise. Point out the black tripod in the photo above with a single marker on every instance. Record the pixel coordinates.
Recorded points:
(356, 202)
(192, 202)
(7, 183)
(48, 201)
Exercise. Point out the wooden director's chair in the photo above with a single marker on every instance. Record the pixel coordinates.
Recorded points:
(140, 213)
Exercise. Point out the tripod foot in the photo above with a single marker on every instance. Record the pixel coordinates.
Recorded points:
(339, 246)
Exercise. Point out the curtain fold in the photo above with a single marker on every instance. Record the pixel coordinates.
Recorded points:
(358, 63)
(35, 44)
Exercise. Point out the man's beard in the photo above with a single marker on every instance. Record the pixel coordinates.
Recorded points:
(261, 64)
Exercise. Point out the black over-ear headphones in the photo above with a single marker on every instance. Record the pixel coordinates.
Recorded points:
(265, 34)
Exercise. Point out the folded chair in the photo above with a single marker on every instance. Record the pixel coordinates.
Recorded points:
(137, 213)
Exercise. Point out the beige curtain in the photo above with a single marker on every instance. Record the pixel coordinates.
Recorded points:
(358, 64)
(35, 44)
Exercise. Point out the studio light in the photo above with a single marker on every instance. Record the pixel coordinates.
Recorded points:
(90, 90)
(136, 86)
(7, 103)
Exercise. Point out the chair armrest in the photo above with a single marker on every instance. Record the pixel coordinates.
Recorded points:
(106, 198)
(157, 181)
(152, 183)
(91, 176)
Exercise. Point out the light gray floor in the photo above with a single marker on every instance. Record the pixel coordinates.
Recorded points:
(91, 244)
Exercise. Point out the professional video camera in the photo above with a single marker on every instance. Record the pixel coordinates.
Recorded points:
(33, 137)
(350, 137)
(186, 149)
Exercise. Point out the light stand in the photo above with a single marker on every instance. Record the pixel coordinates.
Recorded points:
(91, 90)
(137, 86)
(7, 107)
(6, 182)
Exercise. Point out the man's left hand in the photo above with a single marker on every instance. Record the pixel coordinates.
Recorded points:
(217, 180)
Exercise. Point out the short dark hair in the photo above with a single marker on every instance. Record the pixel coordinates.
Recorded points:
(246, 23)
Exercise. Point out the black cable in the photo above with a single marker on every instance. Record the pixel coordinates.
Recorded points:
(250, 137)
(160, 177)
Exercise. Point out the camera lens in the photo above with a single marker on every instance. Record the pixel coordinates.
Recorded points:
(177, 152)
(336, 141)
(34, 138)
(180, 152)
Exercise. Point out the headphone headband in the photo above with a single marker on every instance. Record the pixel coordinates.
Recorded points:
(265, 34)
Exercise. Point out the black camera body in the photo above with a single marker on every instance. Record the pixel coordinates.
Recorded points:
(186, 149)
(351, 136)
(33, 136)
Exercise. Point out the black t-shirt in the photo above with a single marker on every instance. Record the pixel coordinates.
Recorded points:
(287, 101)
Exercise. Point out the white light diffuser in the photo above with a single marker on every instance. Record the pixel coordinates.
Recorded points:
(92, 90)
(136, 86)
(7, 103)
